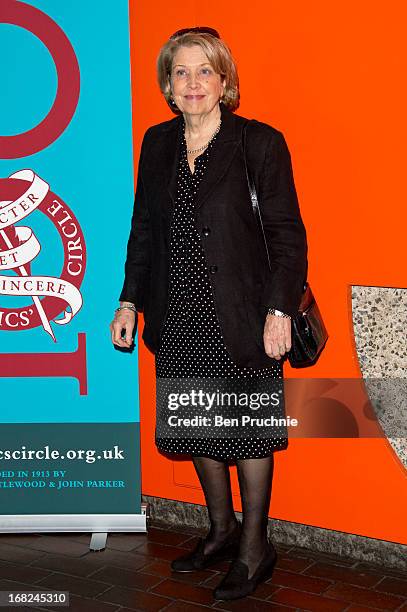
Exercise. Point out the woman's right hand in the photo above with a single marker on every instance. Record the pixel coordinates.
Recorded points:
(123, 319)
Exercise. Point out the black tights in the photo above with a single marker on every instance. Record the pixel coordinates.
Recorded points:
(255, 480)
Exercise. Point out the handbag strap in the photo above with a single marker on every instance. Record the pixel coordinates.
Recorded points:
(255, 200)
(253, 192)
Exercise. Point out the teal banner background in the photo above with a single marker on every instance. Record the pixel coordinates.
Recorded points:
(89, 166)
(101, 480)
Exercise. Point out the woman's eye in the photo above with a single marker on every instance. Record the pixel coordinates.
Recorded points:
(206, 71)
(180, 72)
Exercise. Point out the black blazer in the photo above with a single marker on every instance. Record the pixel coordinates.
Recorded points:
(243, 285)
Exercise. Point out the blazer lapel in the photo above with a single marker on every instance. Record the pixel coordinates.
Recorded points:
(223, 151)
(172, 148)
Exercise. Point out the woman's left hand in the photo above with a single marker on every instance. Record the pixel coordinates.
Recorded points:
(277, 336)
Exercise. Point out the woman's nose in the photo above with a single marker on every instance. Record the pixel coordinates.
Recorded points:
(192, 79)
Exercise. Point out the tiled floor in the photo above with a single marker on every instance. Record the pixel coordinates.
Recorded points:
(133, 573)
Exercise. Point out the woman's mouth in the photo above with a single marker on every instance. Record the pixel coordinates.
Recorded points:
(194, 97)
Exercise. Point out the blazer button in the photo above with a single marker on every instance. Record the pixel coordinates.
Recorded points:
(213, 269)
(206, 231)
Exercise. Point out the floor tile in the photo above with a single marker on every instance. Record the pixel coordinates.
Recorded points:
(393, 585)
(122, 577)
(308, 601)
(184, 606)
(380, 569)
(366, 597)
(133, 573)
(74, 566)
(49, 544)
(75, 585)
(129, 560)
(80, 604)
(160, 551)
(301, 552)
(358, 608)
(135, 599)
(188, 592)
(17, 554)
(169, 538)
(23, 573)
(300, 581)
(293, 564)
(343, 574)
(250, 604)
(125, 541)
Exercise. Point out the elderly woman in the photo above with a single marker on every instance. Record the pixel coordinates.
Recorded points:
(197, 267)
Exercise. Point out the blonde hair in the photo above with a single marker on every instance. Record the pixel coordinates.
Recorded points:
(219, 56)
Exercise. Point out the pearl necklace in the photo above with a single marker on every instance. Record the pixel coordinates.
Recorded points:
(209, 141)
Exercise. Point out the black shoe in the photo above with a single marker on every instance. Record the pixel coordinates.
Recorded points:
(236, 583)
(197, 560)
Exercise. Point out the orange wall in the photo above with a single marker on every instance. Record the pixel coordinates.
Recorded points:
(330, 76)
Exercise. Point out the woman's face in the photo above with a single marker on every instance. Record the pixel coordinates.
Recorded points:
(195, 86)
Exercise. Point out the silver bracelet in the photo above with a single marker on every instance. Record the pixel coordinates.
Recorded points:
(130, 307)
(277, 313)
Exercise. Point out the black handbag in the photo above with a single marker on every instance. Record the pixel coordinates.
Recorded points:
(308, 332)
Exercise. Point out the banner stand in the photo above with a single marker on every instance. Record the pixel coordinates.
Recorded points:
(99, 525)
(98, 540)
(70, 430)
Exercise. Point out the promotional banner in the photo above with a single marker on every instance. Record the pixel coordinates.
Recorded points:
(69, 435)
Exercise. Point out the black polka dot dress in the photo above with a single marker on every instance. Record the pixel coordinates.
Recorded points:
(191, 342)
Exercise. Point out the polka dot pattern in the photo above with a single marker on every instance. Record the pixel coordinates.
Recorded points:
(191, 344)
